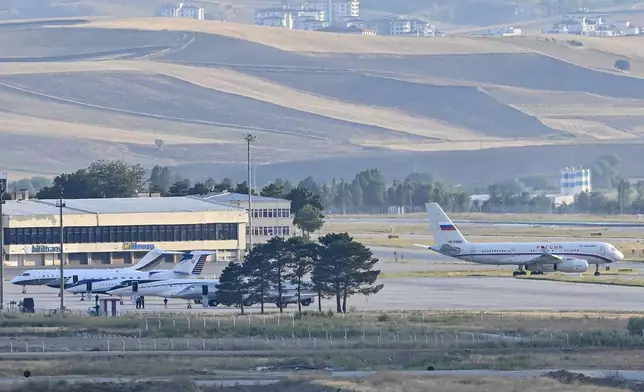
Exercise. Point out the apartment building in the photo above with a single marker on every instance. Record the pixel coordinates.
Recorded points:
(401, 26)
(336, 11)
(181, 11)
(291, 17)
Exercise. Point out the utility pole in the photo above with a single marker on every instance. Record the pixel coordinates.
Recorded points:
(249, 138)
(61, 204)
(3, 189)
(344, 209)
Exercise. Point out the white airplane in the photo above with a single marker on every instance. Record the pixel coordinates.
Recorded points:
(193, 290)
(99, 282)
(39, 277)
(537, 257)
(168, 288)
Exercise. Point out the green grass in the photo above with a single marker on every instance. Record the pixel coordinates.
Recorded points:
(477, 216)
(589, 279)
(444, 274)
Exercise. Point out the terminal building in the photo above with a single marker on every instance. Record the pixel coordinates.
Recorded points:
(271, 216)
(120, 231)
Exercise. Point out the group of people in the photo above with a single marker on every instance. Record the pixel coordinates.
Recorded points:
(140, 302)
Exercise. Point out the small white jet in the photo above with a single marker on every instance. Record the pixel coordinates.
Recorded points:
(189, 267)
(537, 257)
(40, 277)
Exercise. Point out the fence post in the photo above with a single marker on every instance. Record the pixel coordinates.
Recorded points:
(315, 343)
(10, 347)
(159, 323)
(188, 322)
(146, 325)
(108, 345)
(43, 345)
(139, 343)
(123, 340)
(204, 322)
(426, 340)
(203, 344)
(171, 344)
(155, 344)
(174, 324)
(26, 346)
(188, 343)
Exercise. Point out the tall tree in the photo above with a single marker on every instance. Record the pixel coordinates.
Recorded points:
(282, 254)
(210, 184)
(232, 287)
(77, 185)
(198, 188)
(308, 219)
(257, 267)
(348, 266)
(300, 197)
(306, 255)
(180, 188)
(274, 189)
(116, 178)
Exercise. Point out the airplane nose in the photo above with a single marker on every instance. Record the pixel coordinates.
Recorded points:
(620, 255)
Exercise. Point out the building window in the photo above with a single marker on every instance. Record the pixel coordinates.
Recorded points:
(112, 234)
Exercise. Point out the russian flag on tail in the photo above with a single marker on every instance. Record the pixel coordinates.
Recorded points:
(447, 227)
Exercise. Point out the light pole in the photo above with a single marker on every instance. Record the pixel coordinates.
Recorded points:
(249, 138)
(61, 204)
(3, 189)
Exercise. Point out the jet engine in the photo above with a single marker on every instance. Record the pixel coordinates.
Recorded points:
(568, 265)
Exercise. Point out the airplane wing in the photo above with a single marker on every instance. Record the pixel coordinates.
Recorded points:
(546, 258)
(423, 246)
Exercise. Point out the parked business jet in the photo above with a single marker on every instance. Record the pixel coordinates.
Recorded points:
(39, 277)
(537, 257)
(99, 282)
(168, 288)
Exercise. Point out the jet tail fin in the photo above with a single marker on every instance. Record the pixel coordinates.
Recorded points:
(442, 228)
(151, 259)
(192, 263)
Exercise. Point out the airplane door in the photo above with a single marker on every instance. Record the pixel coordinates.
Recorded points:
(75, 279)
(602, 251)
(135, 287)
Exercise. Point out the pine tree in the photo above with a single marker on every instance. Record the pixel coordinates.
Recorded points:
(257, 268)
(232, 289)
(305, 254)
(345, 268)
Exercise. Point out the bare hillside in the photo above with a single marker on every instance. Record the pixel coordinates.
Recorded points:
(320, 104)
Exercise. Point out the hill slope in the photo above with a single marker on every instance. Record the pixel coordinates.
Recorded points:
(112, 86)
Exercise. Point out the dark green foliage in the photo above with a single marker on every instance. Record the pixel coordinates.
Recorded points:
(635, 326)
(623, 65)
(232, 286)
(346, 268)
(308, 219)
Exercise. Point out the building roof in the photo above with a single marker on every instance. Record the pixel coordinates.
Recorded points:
(115, 206)
(228, 197)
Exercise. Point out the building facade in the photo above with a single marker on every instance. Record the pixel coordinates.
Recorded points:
(290, 17)
(575, 180)
(337, 11)
(119, 231)
(182, 11)
(271, 216)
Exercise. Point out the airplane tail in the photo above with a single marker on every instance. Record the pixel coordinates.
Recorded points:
(443, 229)
(192, 263)
(151, 259)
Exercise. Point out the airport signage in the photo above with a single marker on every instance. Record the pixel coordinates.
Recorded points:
(42, 249)
(137, 246)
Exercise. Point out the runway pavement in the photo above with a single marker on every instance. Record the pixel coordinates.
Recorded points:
(468, 293)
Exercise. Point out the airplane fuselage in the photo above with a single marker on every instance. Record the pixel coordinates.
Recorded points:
(518, 253)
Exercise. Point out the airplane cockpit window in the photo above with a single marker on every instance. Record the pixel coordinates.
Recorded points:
(25, 274)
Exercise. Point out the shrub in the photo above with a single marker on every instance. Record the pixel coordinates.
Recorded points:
(574, 42)
(635, 325)
(622, 65)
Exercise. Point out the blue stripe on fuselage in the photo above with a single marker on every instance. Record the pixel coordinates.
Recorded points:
(606, 259)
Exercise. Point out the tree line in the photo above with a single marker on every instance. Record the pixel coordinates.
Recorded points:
(366, 192)
(337, 265)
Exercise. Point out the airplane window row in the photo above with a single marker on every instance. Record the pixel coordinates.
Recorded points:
(106, 234)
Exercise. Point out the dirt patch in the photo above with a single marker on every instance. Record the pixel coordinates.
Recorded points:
(567, 377)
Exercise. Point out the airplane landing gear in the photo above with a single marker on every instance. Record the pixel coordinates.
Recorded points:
(518, 272)
(596, 269)
(82, 297)
(536, 273)
(24, 290)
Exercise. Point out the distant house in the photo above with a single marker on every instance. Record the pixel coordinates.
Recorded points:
(291, 17)
(181, 11)
(401, 26)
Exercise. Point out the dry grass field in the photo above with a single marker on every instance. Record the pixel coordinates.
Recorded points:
(327, 101)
